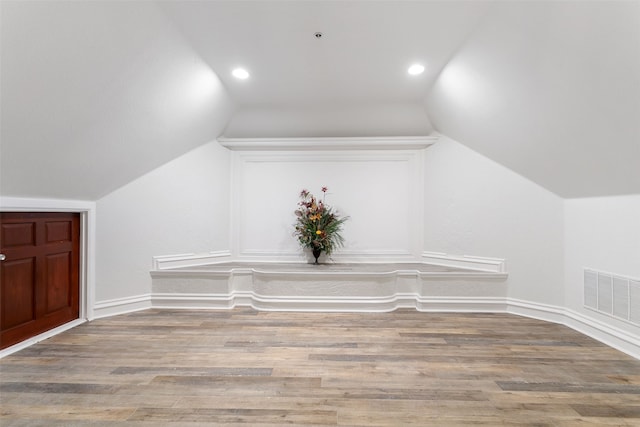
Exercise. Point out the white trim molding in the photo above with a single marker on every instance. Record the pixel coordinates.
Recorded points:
(296, 286)
(165, 262)
(117, 306)
(329, 143)
(495, 265)
(87, 211)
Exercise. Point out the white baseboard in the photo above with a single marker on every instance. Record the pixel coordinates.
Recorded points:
(194, 301)
(461, 304)
(607, 334)
(121, 306)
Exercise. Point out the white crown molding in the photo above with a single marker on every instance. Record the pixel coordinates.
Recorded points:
(342, 143)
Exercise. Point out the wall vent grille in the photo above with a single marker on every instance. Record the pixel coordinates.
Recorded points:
(612, 294)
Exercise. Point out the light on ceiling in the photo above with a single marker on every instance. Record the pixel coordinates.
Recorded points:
(240, 73)
(416, 69)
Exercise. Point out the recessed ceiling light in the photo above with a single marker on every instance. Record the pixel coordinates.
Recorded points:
(240, 73)
(416, 69)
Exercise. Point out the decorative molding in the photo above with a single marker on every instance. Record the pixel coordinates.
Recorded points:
(343, 143)
(117, 306)
(251, 240)
(461, 304)
(17, 204)
(340, 256)
(165, 262)
(366, 304)
(265, 269)
(264, 262)
(496, 265)
(196, 301)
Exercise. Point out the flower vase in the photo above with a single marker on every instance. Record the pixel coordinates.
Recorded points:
(316, 253)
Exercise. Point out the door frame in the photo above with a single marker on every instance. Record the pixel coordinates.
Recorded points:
(87, 211)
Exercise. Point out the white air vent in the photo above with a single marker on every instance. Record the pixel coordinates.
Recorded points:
(605, 293)
(591, 289)
(620, 297)
(611, 294)
(634, 301)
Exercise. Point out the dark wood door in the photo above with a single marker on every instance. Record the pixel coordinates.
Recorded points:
(39, 277)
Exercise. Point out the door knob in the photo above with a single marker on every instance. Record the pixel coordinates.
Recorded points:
(2, 257)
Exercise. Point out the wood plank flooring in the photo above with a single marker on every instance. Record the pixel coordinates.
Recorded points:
(242, 367)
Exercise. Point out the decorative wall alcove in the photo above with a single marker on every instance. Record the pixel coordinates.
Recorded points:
(377, 182)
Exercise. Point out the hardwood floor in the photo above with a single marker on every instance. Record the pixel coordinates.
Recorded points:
(242, 367)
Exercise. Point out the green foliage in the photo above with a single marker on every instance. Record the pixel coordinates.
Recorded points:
(318, 226)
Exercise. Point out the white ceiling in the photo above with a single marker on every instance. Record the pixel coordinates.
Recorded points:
(95, 94)
(362, 56)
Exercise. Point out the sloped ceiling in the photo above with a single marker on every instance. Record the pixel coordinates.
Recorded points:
(95, 94)
(552, 91)
(351, 81)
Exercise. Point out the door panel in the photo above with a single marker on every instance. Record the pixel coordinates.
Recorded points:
(58, 231)
(16, 235)
(21, 310)
(58, 278)
(40, 276)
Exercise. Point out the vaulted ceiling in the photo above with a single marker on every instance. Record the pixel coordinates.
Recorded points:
(95, 94)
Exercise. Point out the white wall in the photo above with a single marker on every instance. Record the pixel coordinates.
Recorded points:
(356, 120)
(602, 234)
(475, 206)
(376, 189)
(181, 207)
